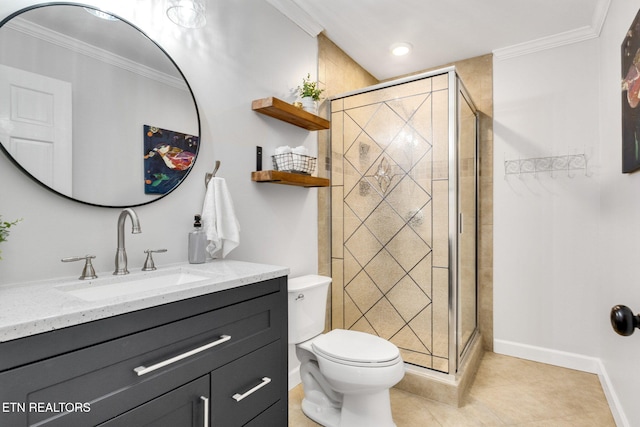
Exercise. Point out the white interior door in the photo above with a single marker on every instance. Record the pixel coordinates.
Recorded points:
(35, 125)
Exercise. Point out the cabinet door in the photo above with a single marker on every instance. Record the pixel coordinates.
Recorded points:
(186, 406)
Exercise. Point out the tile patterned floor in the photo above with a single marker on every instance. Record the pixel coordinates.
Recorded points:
(506, 392)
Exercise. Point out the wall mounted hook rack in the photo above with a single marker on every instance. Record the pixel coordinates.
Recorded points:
(535, 165)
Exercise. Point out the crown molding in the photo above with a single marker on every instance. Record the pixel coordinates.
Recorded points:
(568, 37)
(295, 13)
(89, 50)
(600, 15)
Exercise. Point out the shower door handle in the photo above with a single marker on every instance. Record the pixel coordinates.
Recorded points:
(460, 223)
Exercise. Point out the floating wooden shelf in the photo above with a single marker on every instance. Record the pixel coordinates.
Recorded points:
(289, 113)
(287, 178)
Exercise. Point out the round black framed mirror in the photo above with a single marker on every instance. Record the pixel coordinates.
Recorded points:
(92, 108)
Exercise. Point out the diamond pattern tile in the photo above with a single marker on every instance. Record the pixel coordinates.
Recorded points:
(421, 326)
(421, 221)
(422, 172)
(363, 245)
(383, 175)
(384, 222)
(407, 248)
(407, 197)
(363, 153)
(361, 116)
(422, 120)
(351, 312)
(385, 319)
(408, 298)
(406, 107)
(351, 222)
(363, 199)
(421, 274)
(364, 293)
(351, 177)
(392, 153)
(384, 271)
(363, 325)
(407, 339)
(407, 148)
(351, 131)
(384, 125)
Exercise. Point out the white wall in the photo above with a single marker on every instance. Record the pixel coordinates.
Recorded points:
(565, 248)
(619, 240)
(248, 50)
(546, 225)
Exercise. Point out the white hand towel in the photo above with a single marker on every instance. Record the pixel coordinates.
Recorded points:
(301, 150)
(282, 150)
(219, 219)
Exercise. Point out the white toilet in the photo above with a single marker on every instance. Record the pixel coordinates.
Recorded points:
(346, 375)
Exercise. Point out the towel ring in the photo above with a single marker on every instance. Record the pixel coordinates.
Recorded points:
(208, 176)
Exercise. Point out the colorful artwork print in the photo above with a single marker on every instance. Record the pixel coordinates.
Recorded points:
(168, 156)
(630, 51)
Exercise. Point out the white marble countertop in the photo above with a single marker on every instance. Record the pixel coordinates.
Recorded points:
(36, 307)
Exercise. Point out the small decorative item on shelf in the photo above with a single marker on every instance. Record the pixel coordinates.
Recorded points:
(293, 160)
(310, 94)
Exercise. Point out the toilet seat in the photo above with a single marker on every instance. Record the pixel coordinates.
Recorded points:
(356, 349)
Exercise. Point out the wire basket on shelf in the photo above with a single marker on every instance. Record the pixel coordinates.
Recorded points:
(295, 163)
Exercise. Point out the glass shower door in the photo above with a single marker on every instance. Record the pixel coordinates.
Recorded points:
(467, 207)
(403, 168)
(391, 217)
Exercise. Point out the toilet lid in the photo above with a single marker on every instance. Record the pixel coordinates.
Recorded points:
(353, 347)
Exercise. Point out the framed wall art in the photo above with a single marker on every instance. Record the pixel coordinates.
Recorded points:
(630, 52)
(168, 157)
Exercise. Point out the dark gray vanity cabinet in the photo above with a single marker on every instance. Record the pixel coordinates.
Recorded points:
(215, 360)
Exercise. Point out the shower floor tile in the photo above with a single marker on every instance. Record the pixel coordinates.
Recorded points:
(507, 391)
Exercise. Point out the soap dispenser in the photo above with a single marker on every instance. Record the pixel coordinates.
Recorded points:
(197, 243)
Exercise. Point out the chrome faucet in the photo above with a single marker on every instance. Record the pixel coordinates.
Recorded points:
(121, 254)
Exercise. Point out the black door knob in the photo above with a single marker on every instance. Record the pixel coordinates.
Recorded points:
(623, 320)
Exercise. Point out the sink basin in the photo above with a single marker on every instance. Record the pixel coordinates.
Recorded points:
(118, 286)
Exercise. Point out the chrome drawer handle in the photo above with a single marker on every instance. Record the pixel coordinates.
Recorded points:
(141, 370)
(238, 397)
(205, 402)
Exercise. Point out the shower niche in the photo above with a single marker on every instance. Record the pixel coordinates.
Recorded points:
(404, 190)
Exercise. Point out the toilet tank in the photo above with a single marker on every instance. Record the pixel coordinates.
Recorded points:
(307, 306)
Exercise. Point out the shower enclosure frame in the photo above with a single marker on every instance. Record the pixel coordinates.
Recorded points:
(457, 94)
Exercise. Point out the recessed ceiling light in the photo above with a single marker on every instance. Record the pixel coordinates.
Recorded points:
(401, 49)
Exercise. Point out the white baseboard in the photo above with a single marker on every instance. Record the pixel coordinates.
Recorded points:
(567, 360)
(612, 398)
(548, 356)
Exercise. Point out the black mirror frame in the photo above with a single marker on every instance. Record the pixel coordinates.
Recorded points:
(195, 104)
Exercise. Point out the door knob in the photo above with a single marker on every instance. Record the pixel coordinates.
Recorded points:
(623, 321)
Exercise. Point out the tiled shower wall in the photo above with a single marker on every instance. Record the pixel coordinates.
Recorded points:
(338, 74)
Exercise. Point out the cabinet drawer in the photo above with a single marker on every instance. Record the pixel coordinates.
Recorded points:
(183, 407)
(276, 416)
(243, 389)
(103, 375)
